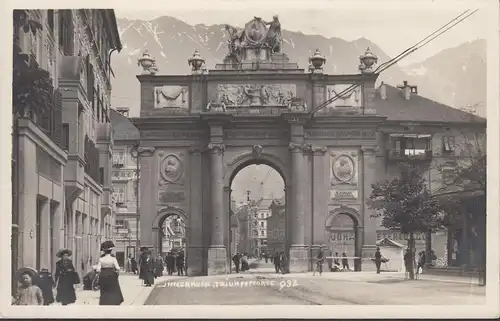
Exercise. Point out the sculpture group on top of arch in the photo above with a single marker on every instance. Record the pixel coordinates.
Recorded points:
(255, 35)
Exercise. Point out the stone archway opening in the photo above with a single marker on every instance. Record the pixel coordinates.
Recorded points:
(170, 234)
(257, 210)
(344, 234)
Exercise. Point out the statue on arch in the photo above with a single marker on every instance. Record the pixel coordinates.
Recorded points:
(273, 37)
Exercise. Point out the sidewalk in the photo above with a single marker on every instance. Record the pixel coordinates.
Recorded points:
(134, 293)
(369, 276)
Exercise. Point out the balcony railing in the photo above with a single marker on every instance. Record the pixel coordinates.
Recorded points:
(409, 154)
(35, 98)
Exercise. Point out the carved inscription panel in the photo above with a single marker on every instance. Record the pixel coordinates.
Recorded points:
(350, 98)
(340, 134)
(244, 95)
(171, 97)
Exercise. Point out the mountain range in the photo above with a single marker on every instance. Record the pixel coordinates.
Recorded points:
(455, 76)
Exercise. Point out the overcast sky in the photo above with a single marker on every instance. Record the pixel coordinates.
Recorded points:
(394, 25)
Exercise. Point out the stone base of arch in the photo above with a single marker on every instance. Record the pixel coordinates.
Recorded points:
(300, 258)
(217, 260)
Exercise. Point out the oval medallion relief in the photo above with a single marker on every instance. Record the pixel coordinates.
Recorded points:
(171, 168)
(343, 168)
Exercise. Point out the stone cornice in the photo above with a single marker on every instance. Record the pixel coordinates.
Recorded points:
(254, 76)
(94, 186)
(33, 132)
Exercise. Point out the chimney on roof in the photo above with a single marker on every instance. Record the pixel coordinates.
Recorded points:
(383, 91)
(408, 90)
(123, 110)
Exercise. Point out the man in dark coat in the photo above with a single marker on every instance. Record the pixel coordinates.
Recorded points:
(170, 262)
(236, 261)
(276, 262)
(133, 265)
(179, 262)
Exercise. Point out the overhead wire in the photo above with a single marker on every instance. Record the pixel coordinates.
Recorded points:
(452, 23)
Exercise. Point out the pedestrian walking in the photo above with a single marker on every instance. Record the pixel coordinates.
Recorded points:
(244, 262)
(109, 269)
(133, 265)
(378, 259)
(266, 256)
(319, 263)
(236, 261)
(27, 292)
(46, 283)
(170, 262)
(66, 277)
(179, 262)
(283, 263)
(345, 262)
(147, 268)
(159, 266)
(407, 260)
(329, 261)
(420, 263)
(276, 261)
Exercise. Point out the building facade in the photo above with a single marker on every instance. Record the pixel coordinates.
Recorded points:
(124, 179)
(62, 181)
(276, 227)
(257, 107)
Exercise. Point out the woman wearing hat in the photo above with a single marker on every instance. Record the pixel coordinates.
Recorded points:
(66, 277)
(108, 269)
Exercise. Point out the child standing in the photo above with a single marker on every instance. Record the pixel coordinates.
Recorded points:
(46, 284)
(28, 293)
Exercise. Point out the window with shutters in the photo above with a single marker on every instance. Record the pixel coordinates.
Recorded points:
(120, 195)
(66, 35)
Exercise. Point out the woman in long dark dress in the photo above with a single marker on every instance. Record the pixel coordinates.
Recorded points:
(147, 269)
(66, 277)
(108, 269)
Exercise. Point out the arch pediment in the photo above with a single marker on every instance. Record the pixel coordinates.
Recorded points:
(239, 161)
(345, 210)
(168, 210)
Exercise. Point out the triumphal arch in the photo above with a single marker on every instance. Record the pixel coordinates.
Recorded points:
(198, 130)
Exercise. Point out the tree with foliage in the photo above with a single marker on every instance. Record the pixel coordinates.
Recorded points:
(406, 204)
(32, 90)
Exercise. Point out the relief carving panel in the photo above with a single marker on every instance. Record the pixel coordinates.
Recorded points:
(171, 170)
(344, 175)
(351, 98)
(242, 95)
(171, 97)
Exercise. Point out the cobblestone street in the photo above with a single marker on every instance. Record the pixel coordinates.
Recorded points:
(327, 289)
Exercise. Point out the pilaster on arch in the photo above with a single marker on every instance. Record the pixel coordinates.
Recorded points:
(166, 211)
(351, 212)
(232, 166)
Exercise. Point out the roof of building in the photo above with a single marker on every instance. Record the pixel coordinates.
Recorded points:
(418, 108)
(264, 203)
(123, 129)
(386, 242)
